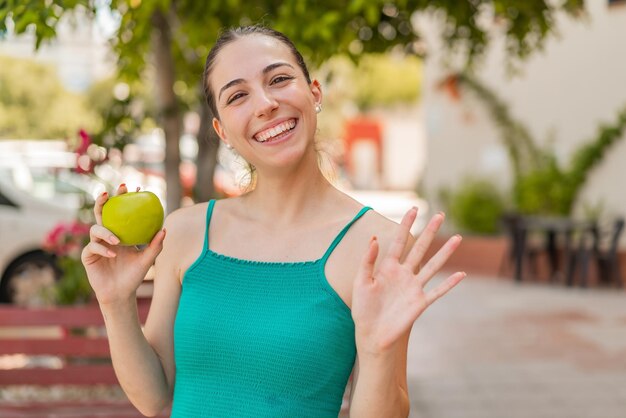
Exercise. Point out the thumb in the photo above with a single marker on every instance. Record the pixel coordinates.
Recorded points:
(155, 247)
(366, 270)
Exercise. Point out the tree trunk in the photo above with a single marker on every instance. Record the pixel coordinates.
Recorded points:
(208, 144)
(169, 112)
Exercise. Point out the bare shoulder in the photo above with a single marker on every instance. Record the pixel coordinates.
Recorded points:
(373, 224)
(183, 219)
(380, 225)
(345, 260)
(185, 236)
(385, 230)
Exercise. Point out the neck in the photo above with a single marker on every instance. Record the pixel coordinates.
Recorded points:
(296, 194)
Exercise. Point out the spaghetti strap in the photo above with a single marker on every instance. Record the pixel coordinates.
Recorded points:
(343, 232)
(209, 213)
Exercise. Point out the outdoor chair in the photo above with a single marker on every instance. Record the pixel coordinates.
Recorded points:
(601, 245)
(511, 223)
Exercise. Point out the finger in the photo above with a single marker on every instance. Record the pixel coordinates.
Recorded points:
(100, 233)
(439, 259)
(444, 287)
(366, 269)
(399, 243)
(97, 208)
(121, 189)
(94, 248)
(423, 242)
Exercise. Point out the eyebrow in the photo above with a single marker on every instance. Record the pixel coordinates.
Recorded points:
(241, 80)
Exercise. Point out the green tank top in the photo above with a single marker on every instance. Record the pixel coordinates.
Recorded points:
(261, 339)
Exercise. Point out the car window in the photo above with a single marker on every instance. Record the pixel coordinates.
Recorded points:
(5, 201)
(49, 183)
(5, 174)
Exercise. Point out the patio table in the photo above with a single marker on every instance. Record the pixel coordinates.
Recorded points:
(551, 227)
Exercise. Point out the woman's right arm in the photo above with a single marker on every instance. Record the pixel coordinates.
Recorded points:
(144, 365)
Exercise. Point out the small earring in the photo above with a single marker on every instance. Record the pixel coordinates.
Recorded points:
(318, 108)
(228, 146)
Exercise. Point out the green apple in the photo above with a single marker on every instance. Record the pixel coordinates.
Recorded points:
(133, 217)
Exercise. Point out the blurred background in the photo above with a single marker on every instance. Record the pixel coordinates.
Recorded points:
(510, 116)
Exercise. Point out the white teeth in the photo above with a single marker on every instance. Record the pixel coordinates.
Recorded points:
(276, 130)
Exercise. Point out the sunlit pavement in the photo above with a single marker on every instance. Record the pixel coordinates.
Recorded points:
(494, 348)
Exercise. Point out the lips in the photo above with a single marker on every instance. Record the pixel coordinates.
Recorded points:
(275, 131)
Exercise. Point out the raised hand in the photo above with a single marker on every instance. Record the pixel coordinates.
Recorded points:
(387, 301)
(115, 272)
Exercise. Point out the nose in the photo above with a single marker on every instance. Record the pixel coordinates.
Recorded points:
(265, 103)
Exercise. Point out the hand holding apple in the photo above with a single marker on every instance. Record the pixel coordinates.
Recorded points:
(114, 267)
(134, 217)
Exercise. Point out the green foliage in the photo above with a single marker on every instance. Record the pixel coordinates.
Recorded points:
(34, 103)
(382, 80)
(377, 80)
(475, 207)
(540, 184)
(551, 189)
(41, 17)
(123, 116)
(66, 241)
(73, 287)
(320, 29)
(594, 150)
(544, 190)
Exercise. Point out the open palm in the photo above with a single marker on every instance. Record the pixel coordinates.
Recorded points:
(388, 299)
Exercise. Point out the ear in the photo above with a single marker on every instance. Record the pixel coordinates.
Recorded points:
(219, 130)
(316, 90)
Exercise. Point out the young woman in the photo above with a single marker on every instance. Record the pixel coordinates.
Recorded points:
(265, 303)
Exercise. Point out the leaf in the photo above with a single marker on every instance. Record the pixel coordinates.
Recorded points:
(356, 6)
(372, 14)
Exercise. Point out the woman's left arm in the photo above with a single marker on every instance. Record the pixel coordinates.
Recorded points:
(386, 301)
(379, 386)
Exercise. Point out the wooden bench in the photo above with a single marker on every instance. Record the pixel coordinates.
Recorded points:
(61, 346)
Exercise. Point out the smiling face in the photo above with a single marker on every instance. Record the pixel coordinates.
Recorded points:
(265, 105)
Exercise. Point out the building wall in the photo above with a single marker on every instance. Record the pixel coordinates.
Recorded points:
(565, 91)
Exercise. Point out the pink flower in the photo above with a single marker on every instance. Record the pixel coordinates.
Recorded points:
(67, 239)
(85, 141)
(78, 228)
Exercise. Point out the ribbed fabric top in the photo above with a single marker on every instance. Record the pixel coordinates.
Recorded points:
(261, 339)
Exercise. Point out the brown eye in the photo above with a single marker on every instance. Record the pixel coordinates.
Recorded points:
(280, 79)
(234, 97)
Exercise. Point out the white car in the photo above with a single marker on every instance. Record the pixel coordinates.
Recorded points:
(39, 190)
(26, 218)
